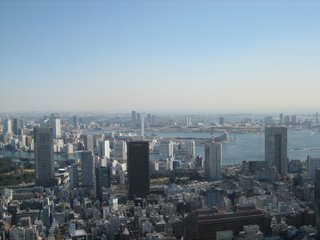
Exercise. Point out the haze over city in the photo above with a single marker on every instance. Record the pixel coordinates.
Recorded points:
(180, 56)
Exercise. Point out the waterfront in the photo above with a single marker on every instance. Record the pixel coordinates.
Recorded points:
(247, 146)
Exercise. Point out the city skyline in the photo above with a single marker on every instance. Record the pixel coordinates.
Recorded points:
(194, 57)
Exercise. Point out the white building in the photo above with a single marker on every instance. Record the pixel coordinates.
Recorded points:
(213, 160)
(55, 123)
(7, 126)
(104, 149)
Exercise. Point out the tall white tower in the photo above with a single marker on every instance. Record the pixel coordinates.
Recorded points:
(213, 160)
(55, 123)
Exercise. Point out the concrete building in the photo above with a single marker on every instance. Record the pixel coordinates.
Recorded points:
(138, 169)
(43, 154)
(213, 160)
(276, 145)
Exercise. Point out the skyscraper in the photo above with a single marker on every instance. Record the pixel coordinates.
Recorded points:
(134, 117)
(317, 198)
(55, 123)
(73, 175)
(190, 149)
(7, 126)
(165, 150)
(213, 160)
(87, 168)
(16, 126)
(281, 118)
(276, 148)
(43, 154)
(138, 169)
(102, 180)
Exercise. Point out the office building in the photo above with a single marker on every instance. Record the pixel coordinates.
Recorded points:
(43, 154)
(75, 122)
(73, 175)
(165, 150)
(213, 160)
(102, 180)
(190, 149)
(55, 123)
(134, 117)
(7, 126)
(16, 126)
(138, 169)
(312, 165)
(210, 224)
(276, 148)
(281, 118)
(287, 119)
(221, 120)
(317, 198)
(87, 168)
(104, 149)
(88, 142)
(120, 150)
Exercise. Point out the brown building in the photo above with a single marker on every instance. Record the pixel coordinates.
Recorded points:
(206, 224)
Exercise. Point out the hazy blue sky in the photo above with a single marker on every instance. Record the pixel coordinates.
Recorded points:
(190, 56)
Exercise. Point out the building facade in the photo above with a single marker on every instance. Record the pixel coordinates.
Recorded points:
(138, 169)
(43, 154)
(213, 160)
(276, 145)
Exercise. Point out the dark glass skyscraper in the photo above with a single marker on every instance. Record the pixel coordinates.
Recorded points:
(276, 146)
(138, 169)
(317, 198)
(102, 180)
(43, 154)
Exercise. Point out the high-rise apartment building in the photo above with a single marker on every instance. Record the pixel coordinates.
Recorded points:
(43, 154)
(55, 123)
(87, 168)
(138, 169)
(213, 160)
(276, 148)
